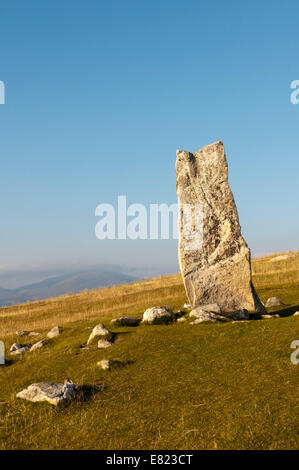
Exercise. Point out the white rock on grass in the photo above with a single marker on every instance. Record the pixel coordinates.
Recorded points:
(54, 393)
(21, 333)
(39, 344)
(273, 302)
(296, 314)
(54, 332)
(109, 364)
(104, 344)
(158, 316)
(125, 321)
(100, 330)
(16, 346)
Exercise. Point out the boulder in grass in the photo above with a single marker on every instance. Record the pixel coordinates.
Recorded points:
(54, 393)
(39, 344)
(125, 321)
(100, 331)
(273, 302)
(54, 332)
(158, 316)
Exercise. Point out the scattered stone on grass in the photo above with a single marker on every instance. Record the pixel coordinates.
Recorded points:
(181, 320)
(187, 306)
(158, 316)
(125, 321)
(39, 344)
(54, 393)
(100, 330)
(268, 316)
(273, 302)
(205, 316)
(54, 332)
(21, 350)
(34, 333)
(296, 314)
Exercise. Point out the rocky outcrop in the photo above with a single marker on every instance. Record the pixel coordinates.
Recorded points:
(55, 331)
(214, 258)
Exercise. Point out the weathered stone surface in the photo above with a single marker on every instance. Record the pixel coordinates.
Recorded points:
(125, 321)
(16, 346)
(104, 344)
(18, 351)
(205, 316)
(238, 315)
(273, 302)
(218, 269)
(39, 344)
(99, 330)
(211, 308)
(54, 393)
(158, 316)
(109, 364)
(54, 332)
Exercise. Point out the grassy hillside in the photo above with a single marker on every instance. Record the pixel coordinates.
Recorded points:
(209, 386)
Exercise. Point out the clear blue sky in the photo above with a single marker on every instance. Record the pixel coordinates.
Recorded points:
(100, 94)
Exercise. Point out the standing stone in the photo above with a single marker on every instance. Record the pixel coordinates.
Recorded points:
(216, 269)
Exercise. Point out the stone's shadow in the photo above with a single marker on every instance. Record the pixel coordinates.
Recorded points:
(8, 362)
(286, 312)
(87, 392)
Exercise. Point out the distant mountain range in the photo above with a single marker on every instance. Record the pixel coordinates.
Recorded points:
(64, 284)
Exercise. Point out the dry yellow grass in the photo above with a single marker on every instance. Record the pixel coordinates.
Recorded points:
(101, 303)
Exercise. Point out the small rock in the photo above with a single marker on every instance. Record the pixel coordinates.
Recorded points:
(158, 316)
(104, 343)
(54, 332)
(100, 330)
(296, 314)
(21, 333)
(109, 364)
(273, 302)
(268, 317)
(125, 321)
(54, 393)
(19, 351)
(187, 306)
(16, 346)
(205, 316)
(39, 344)
(33, 333)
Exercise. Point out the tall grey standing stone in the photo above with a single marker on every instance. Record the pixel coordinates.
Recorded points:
(218, 271)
